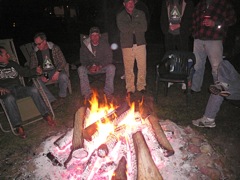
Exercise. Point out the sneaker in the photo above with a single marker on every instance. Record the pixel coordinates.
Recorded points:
(184, 86)
(123, 76)
(204, 122)
(220, 88)
(169, 84)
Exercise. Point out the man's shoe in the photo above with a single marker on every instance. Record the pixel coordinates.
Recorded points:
(204, 122)
(220, 88)
(109, 97)
(50, 120)
(143, 91)
(123, 76)
(130, 94)
(170, 84)
(21, 132)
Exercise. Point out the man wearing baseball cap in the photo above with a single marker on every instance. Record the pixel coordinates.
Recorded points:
(96, 58)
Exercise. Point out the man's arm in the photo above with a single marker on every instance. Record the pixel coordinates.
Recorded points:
(24, 71)
(124, 23)
(3, 91)
(59, 59)
(140, 22)
(84, 59)
(108, 56)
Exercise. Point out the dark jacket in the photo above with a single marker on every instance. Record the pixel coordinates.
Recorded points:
(102, 57)
(128, 26)
(9, 74)
(186, 20)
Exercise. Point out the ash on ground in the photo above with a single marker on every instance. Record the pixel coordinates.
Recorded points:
(194, 158)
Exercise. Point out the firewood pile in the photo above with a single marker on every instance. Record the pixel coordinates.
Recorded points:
(146, 148)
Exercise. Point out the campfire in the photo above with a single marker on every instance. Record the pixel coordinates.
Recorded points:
(119, 143)
(110, 142)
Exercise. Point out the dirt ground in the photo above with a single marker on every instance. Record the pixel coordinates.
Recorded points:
(225, 137)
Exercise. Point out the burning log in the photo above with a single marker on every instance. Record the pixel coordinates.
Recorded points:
(77, 138)
(53, 159)
(161, 137)
(104, 149)
(146, 166)
(120, 172)
(92, 129)
(64, 140)
(77, 141)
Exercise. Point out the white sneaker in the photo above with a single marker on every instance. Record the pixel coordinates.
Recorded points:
(204, 122)
(220, 88)
(169, 84)
(184, 86)
(123, 76)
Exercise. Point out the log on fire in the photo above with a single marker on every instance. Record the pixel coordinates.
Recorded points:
(145, 164)
(89, 131)
(161, 137)
(120, 172)
(77, 141)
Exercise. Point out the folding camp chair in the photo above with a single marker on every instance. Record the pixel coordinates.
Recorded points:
(28, 110)
(175, 67)
(27, 50)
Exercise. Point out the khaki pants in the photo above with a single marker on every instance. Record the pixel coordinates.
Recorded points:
(129, 55)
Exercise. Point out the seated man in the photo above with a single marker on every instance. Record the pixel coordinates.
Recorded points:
(11, 89)
(50, 58)
(96, 58)
(227, 86)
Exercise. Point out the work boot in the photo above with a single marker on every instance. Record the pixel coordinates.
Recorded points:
(21, 132)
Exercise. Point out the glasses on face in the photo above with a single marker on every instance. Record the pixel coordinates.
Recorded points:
(38, 44)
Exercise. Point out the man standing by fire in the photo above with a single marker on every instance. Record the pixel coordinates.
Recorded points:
(211, 20)
(132, 24)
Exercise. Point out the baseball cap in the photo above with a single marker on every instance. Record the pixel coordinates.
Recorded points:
(94, 30)
(127, 1)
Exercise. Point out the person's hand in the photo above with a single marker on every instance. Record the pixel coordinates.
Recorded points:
(4, 91)
(44, 79)
(98, 68)
(94, 68)
(173, 27)
(208, 22)
(55, 76)
(39, 70)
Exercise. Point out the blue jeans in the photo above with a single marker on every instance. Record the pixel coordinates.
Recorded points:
(202, 49)
(62, 82)
(226, 74)
(19, 92)
(84, 81)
